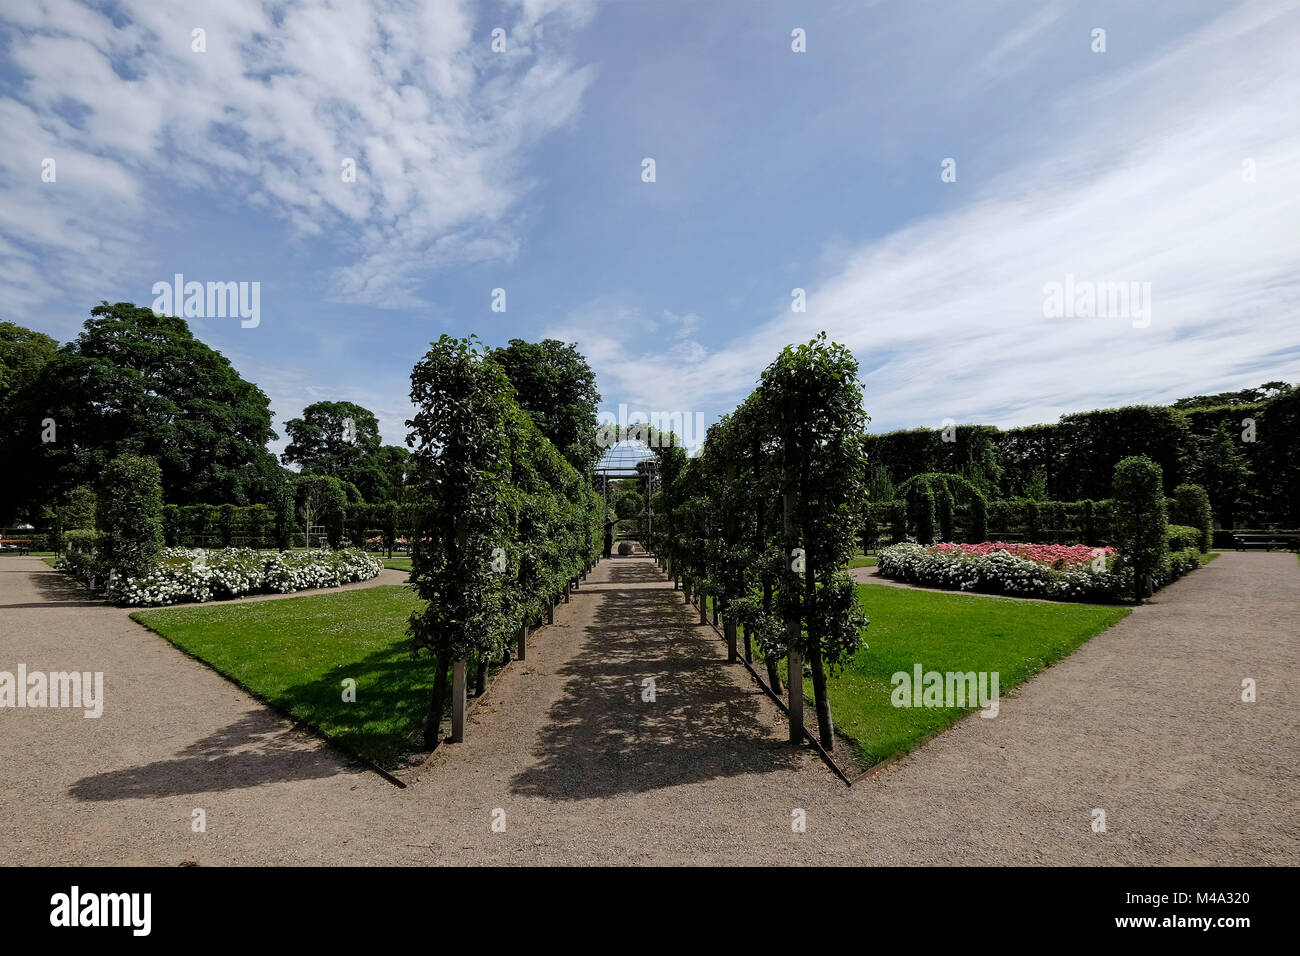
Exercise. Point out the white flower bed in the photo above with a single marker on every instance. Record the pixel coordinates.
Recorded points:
(193, 574)
(999, 572)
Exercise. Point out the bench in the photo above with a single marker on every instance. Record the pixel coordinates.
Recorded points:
(1289, 541)
(21, 545)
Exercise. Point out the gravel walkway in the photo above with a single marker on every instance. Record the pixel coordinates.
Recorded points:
(1145, 721)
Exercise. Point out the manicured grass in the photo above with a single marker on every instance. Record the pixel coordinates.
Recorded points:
(50, 561)
(397, 564)
(946, 632)
(294, 653)
(1207, 557)
(862, 561)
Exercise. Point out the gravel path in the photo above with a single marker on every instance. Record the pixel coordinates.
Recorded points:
(1145, 721)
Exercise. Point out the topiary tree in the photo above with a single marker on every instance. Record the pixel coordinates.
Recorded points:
(1191, 506)
(812, 397)
(130, 514)
(461, 464)
(1140, 525)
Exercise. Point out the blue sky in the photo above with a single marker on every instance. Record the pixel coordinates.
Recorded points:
(774, 170)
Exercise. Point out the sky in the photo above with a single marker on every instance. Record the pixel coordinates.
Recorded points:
(924, 172)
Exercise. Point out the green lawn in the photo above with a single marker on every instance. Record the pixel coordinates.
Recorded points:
(863, 561)
(295, 652)
(946, 632)
(397, 564)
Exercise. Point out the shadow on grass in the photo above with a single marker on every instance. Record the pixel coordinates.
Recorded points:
(602, 739)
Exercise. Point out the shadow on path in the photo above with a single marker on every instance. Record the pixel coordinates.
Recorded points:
(56, 589)
(603, 739)
(254, 750)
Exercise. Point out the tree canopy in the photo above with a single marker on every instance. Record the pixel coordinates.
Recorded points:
(136, 382)
(557, 388)
(341, 440)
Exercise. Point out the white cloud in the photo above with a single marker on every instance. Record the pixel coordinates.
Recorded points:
(1137, 177)
(436, 123)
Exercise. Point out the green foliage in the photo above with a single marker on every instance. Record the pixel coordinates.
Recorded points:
(922, 515)
(1180, 537)
(507, 522)
(130, 514)
(82, 539)
(1279, 432)
(1140, 526)
(932, 499)
(75, 512)
(23, 353)
(628, 505)
(554, 384)
(341, 440)
(285, 514)
(979, 519)
(772, 507)
(1191, 506)
(321, 500)
(138, 383)
(1246, 396)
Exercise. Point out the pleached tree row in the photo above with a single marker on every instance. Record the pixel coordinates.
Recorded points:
(765, 518)
(509, 528)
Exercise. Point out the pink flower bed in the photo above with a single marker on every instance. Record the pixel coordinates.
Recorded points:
(1053, 555)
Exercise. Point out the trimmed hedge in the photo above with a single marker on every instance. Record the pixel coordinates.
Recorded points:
(1190, 505)
(1140, 525)
(129, 512)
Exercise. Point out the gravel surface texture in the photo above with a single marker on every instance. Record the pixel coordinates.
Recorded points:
(1145, 722)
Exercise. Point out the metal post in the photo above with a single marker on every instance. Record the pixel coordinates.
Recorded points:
(523, 641)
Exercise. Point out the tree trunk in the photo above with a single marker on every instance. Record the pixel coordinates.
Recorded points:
(433, 721)
(480, 676)
(773, 675)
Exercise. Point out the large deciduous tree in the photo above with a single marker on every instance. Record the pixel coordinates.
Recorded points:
(23, 353)
(341, 440)
(135, 382)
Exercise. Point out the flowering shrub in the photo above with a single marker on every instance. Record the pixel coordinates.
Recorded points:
(184, 574)
(1055, 556)
(1046, 571)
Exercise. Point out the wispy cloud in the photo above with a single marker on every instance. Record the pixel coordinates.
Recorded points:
(280, 96)
(1137, 176)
